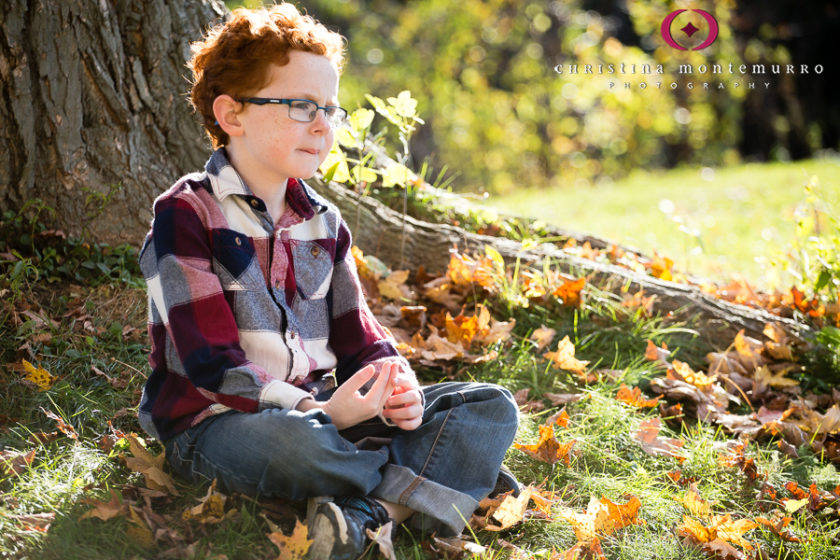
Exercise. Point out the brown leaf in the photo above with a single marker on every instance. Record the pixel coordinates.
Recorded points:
(453, 547)
(62, 426)
(106, 510)
(15, 462)
(150, 466)
(381, 537)
(648, 438)
(510, 512)
(569, 292)
(542, 336)
(295, 546)
(556, 399)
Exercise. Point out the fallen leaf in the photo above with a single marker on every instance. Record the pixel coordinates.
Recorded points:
(633, 397)
(777, 526)
(15, 462)
(569, 292)
(764, 376)
(657, 354)
(210, 509)
(38, 376)
(381, 537)
(62, 426)
(393, 286)
(542, 336)
(648, 438)
(106, 510)
(150, 466)
(295, 546)
(511, 511)
(720, 527)
(548, 449)
(564, 357)
(695, 505)
(454, 547)
(556, 399)
(138, 531)
(602, 517)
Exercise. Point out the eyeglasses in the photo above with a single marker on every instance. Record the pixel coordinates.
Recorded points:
(303, 110)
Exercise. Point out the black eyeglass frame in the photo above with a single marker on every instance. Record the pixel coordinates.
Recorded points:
(281, 101)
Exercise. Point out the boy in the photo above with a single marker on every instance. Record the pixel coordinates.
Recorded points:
(254, 300)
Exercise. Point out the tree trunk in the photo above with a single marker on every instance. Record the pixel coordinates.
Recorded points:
(93, 120)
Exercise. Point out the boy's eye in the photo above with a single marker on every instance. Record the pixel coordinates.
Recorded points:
(303, 105)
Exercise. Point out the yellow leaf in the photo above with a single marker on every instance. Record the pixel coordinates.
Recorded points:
(766, 377)
(603, 517)
(512, 510)
(393, 286)
(211, 508)
(564, 357)
(295, 546)
(694, 503)
(792, 506)
(38, 376)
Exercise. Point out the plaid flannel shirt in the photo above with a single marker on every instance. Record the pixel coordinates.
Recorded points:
(243, 314)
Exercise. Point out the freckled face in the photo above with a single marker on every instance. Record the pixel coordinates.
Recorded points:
(275, 146)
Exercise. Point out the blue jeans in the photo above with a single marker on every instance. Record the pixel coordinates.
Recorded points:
(440, 470)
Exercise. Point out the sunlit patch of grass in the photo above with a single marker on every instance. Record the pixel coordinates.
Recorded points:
(718, 211)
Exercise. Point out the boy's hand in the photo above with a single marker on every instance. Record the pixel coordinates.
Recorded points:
(405, 405)
(347, 407)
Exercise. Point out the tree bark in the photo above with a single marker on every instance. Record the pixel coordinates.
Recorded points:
(404, 242)
(93, 121)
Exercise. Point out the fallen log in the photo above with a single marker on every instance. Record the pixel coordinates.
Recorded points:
(402, 241)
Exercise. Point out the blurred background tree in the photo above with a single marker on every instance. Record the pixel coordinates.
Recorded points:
(500, 116)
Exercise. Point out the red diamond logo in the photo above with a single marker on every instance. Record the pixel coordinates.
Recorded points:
(689, 29)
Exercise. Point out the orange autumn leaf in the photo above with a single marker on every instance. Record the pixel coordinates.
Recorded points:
(721, 527)
(295, 546)
(602, 517)
(633, 397)
(683, 372)
(660, 267)
(210, 509)
(548, 449)
(38, 376)
(569, 292)
(464, 329)
(655, 353)
(14, 462)
(777, 528)
(564, 357)
(648, 438)
(65, 428)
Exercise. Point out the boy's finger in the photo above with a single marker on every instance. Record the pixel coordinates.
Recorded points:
(360, 377)
(377, 390)
(401, 399)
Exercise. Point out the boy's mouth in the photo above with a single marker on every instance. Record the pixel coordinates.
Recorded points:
(312, 151)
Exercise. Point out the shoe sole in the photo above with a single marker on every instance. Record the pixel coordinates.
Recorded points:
(328, 531)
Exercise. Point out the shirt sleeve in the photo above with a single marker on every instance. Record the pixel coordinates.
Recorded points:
(356, 336)
(188, 296)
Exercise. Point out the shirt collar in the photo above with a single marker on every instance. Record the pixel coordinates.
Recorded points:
(225, 181)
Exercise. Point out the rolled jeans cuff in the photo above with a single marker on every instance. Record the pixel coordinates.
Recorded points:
(438, 507)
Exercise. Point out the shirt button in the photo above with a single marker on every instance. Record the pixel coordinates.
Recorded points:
(238, 241)
(292, 334)
(315, 251)
(254, 202)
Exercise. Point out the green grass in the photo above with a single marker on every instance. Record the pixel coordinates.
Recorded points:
(70, 330)
(714, 223)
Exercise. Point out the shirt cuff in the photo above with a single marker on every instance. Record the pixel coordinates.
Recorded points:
(279, 394)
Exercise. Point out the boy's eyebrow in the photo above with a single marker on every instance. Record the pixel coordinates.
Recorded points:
(308, 96)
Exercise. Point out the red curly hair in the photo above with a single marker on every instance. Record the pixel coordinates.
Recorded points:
(235, 56)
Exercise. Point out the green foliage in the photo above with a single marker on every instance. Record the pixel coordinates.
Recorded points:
(32, 253)
(822, 361)
(814, 258)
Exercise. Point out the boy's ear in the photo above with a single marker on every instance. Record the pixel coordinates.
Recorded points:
(226, 111)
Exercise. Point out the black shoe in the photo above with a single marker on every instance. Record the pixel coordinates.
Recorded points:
(337, 528)
(505, 483)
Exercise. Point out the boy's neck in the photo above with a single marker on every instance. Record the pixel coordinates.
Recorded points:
(272, 190)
